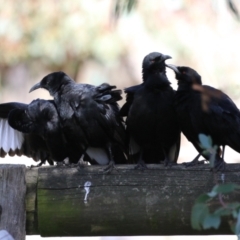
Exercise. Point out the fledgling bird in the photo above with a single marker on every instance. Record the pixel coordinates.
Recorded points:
(204, 109)
(90, 118)
(32, 130)
(151, 120)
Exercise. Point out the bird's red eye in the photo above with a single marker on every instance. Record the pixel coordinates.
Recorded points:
(183, 72)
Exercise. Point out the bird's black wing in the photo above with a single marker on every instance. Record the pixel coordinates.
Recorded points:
(107, 99)
(175, 149)
(97, 112)
(129, 99)
(223, 120)
(133, 146)
(85, 112)
(7, 107)
(114, 119)
(39, 117)
(37, 130)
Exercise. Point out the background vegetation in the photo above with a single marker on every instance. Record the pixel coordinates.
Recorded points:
(88, 41)
(91, 42)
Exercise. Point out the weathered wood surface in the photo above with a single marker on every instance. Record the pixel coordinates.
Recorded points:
(31, 201)
(12, 200)
(157, 201)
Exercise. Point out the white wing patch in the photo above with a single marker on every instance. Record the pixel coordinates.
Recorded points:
(99, 155)
(9, 137)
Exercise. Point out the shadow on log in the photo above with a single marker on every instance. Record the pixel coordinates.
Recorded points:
(86, 202)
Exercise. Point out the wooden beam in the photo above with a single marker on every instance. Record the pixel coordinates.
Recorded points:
(156, 201)
(12, 200)
(31, 201)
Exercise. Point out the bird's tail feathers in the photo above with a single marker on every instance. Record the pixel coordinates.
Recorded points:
(116, 95)
(106, 89)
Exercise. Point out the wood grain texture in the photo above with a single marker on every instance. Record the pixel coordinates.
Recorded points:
(157, 201)
(31, 201)
(12, 200)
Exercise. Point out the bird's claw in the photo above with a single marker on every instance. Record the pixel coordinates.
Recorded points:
(110, 168)
(38, 165)
(194, 163)
(141, 165)
(168, 163)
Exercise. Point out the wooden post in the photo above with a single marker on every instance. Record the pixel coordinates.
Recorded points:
(12, 200)
(31, 201)
(157, 201)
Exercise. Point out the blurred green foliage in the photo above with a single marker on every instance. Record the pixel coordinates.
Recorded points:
(109, 38)
(56, 32)
(122, 6)
(210, 208)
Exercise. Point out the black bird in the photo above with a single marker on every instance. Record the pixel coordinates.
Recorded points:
(204, 109)
(151, 121)
(89, 116)
(32, 130)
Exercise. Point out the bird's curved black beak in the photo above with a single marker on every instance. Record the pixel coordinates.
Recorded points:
(174, 68)
(36, 86)
(165, 57)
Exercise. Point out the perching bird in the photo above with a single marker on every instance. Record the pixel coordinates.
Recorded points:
(89, 117)
(32, 130)
(151, 121)
(204, 109)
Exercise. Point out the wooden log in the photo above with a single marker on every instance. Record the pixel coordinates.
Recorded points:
(12, 200)
(157, 201)
(31, 201)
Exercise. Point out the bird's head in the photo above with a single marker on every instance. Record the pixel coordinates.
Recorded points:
(154, 62)
(52, 82)
(186, 75)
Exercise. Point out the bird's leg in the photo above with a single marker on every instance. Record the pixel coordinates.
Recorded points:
(111, 164)
(219, 163)
(194, 162)
(167, 161)
(141, 163)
